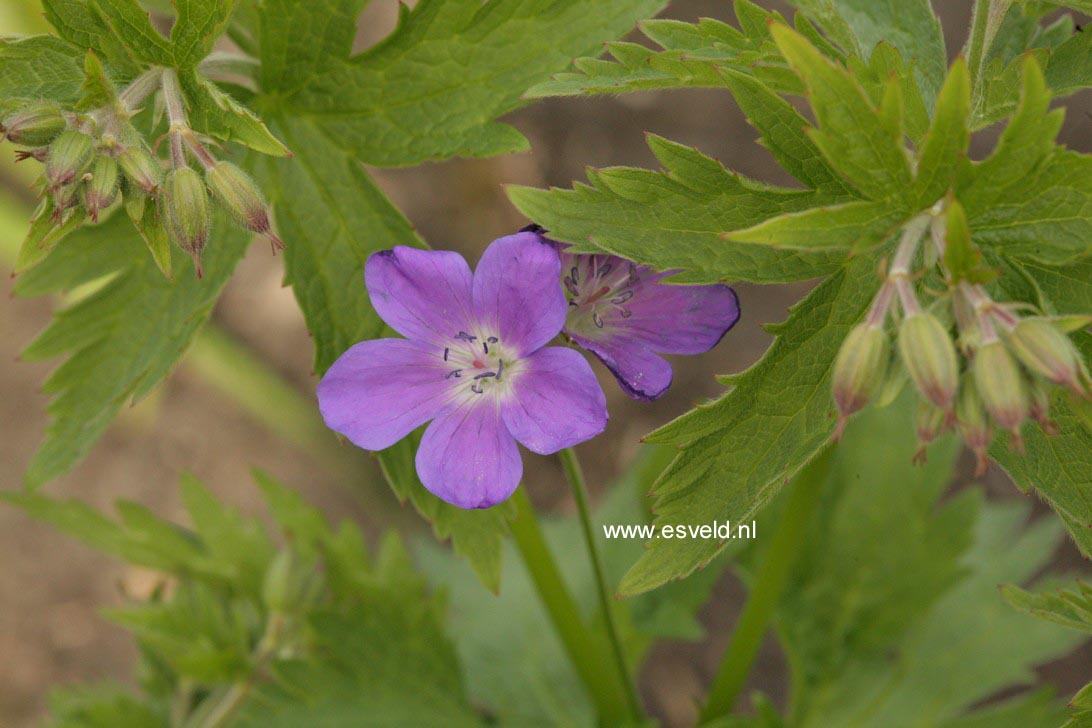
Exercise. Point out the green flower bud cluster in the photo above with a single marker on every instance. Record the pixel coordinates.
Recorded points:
(974, 362)
(93, 161)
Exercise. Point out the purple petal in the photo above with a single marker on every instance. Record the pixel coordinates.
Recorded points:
(421, 294)
(675, 319)
(642, 373)
(379, 391)
(517, 292)
(556, 401)
(468, 458)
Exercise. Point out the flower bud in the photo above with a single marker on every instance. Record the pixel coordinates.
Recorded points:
(1048, 353)
(1039, 406)
(69, 155)
(1001, 388)
(140, 169)
(186, 212)
(859, 370)
(931, 421)
(930, 358)
(974, 425)
(65, 198)
(102, 189)
(236, 192)
(34, 126)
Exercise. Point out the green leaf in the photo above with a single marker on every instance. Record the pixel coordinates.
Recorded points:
(380, 106)
(132, 26)
(144, 215)
(98, 90)
(851, 134)
(199, 23)
(121, 340)
(736, 453)
(857, 225)
(82, 25)
(891, 615)
(782, 129)
(693, 56)
(299, 39)
(945, 145)
(39, 66)
(476, 535)
(518, 669)
(674, 219)
(908, 25)
(216, 113)
(962, 259)
(332, 217)
(1068, 289)
(106, 706)
(1068, 607)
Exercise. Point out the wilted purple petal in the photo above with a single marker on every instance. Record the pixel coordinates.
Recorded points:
(467, 456)
(642, 373)
(516, 292)
(379, 391)
(421, 294)
(555, 402)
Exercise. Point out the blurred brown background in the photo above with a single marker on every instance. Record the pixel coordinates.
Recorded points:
(51, 586)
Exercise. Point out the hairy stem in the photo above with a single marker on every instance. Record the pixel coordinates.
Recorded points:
(141, 88)
(585, 650)
(575, 475)
(769, 583)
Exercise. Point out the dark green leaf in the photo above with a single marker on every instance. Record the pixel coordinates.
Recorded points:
(39, 66)
(197, 26)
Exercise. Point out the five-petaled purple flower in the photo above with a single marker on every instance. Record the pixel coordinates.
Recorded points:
(473, 362)
(622, 313)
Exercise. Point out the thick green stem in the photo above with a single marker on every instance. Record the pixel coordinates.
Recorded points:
(575, 475)
(770, 580)
(586, 652)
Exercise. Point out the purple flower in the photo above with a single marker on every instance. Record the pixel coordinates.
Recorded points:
(472, 362)
(622, 313)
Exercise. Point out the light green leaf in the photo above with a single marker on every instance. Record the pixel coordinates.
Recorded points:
(945, 145)
(1068, 607)
(105, 706)
(693, 56)
(383, 109)
(476, 535)
(216, 113)
(962, 259)
(782, 129)
(121, 340)
(98, 90)
(144, 214)
(736, 453)
(851, 133)
(132, 26)
(196, 28)
(39, 67)
(853, 225)
(674, 219)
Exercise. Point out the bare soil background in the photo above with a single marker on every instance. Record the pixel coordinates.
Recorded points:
(51, 586)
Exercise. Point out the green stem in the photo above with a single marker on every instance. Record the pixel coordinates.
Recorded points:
(575, 476)
(770, 580)
(581, 645)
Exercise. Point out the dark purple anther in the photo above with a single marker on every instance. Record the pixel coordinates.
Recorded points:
(626, 295)
(455, 373)
(445, 353)
(575, 273)
(500, 368)
(465, 336)
(492, 339)
(485, 375)
(485, 346)
(598, 320)
(604, 270)
(476, 389)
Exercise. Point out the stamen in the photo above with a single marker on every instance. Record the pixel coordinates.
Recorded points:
(573, 303)
(571, 285)
(454, 373)
(465, 336)
(445, 353)
(476, 389)
(598, 321)
(486, 347)
(484, 375)
(492, 339)
(575, 274)
(500, 368)
(625, 296)
(626, 313)
(604, 270)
